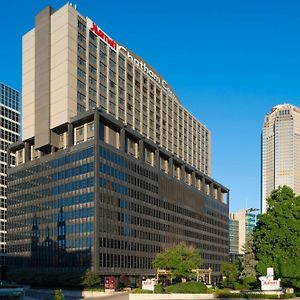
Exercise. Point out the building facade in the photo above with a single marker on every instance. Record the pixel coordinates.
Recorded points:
(233, 235)
(241, 224)
(9, 133)
(111, 168)
(280, 151)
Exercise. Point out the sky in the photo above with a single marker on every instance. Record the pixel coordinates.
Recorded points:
(229, 63)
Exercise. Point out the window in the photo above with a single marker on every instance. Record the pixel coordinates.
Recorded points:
(92, 70)
(80, 85)
(81, 61)
(81, 73)
(81, 25)
(81, 50)
(81, 38)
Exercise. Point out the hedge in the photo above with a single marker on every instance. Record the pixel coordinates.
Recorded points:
(187, 288)
(254, 295)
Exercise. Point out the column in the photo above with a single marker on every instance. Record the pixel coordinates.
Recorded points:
(27, 152)
(95, 253)
(182, 171)
(203, 185)
(71, 134)
(171, 167)
(141, 150)
(212, 190)
(122, 138)
(227, 198)
(220, 195)
(157, 159)
(194, 179)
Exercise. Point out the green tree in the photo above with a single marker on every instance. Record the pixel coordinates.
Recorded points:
(179, 261)
(58, 295)
(90, 279)
(277, 237)
(248, 262)
(230, 272)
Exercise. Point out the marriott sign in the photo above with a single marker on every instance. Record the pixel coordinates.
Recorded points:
(139, 63)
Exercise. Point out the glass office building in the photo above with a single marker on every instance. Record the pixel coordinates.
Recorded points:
(9, 133)
(93, 186)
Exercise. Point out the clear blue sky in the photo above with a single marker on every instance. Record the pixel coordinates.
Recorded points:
(228, 61)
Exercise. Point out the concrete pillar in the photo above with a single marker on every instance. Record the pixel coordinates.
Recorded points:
(27, 152)
(122, 137)
(71, 134)
(53, 149)
(220, 195)
(141, 150)
(157, 159)
(203, 185)
(227, 198)
(95, 253)
(182, 171)
(171, 168)
(212, 190)
(194, 179)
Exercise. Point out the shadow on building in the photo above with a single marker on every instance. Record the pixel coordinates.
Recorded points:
(49, 256)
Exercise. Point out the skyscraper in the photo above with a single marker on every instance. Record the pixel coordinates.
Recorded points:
(280, 150)
(9, 133)
(111, 168)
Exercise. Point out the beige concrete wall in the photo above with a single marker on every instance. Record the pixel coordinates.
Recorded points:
(28, 84)
(63, 96)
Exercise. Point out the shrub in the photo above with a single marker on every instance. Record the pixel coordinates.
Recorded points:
(287, 296)
(58, 295)
(158, 289)
(90, 279)
(187, 288)
(240, 286)
(141, 291)
(254, 296)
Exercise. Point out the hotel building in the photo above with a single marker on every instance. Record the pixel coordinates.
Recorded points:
(111, 168)
(280, 151)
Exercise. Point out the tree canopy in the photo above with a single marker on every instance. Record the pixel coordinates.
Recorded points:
(179, 260)
(277, 237)
(230, 272)
(248, 262)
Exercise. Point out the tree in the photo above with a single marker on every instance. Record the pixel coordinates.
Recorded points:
(277, 237)
(90, 279)
(179, 261)
(58, 295)
(230, 272)
(248, 262)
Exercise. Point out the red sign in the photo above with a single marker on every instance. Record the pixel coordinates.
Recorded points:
(110, 283)
(103, 36)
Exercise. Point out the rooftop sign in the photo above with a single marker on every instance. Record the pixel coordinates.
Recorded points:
(137, 62)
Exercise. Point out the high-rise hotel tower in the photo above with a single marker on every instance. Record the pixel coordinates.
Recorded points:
(112, 168)
(280, 151)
